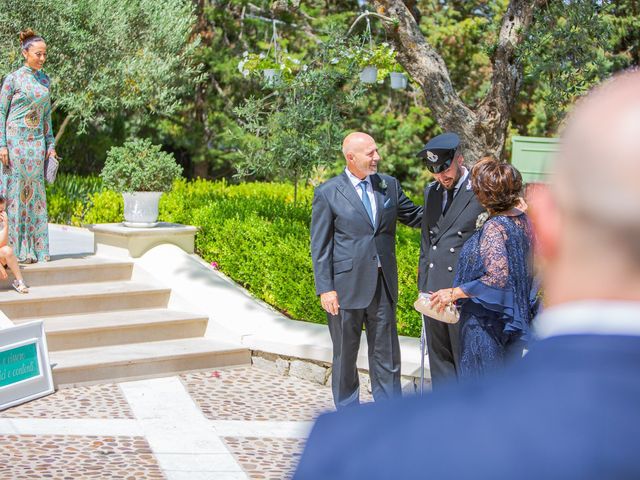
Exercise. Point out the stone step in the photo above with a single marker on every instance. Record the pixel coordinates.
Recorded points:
(72, 270)
(52, 300)
(136, 360)
(65, 332)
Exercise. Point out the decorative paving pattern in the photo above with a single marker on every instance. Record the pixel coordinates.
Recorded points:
(266, 458)
(94, 401)
(71, 457)
(248, 393)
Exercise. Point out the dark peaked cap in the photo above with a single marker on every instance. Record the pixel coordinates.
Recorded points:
(440, 150)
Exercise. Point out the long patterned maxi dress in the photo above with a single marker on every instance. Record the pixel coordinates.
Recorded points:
(25, 129)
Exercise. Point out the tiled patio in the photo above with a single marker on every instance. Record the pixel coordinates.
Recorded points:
(232, 423)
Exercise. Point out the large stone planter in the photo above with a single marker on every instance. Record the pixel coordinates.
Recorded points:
(141, 209)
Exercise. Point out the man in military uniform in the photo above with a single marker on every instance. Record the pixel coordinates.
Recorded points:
(451, 210)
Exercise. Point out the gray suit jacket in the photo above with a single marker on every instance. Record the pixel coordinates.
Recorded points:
(443, 237)
(345, 246)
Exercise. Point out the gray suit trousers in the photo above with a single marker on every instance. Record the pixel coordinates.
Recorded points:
(379, 319)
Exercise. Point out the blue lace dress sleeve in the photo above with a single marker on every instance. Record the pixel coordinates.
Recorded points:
(495, 271)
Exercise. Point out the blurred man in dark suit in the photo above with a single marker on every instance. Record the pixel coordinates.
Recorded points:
(569, 409)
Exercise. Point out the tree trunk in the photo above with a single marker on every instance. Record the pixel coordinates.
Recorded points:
(63, 127)
(483, 131)
(204, 30)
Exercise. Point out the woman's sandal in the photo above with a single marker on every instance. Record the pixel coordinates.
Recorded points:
(19, 286)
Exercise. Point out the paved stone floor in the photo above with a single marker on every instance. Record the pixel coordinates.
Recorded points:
(230, 423)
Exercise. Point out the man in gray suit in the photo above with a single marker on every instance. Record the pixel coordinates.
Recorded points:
(353, 230)
(451, 210)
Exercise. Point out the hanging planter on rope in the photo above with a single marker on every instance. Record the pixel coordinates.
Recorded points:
(271, 76)
(398, 80)
(369, 75)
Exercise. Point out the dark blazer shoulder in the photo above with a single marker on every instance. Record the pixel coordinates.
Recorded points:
(333, 182)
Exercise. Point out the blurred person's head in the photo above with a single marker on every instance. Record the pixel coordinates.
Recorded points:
(588, 220)
(361, 153)
(497, 185)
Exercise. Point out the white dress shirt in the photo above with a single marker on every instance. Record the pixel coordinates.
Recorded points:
(590, 317)
(355, 181)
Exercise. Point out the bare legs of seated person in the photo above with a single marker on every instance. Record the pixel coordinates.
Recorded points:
(8, 259)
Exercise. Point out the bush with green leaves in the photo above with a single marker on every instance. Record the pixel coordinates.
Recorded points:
(139, 166)
(259, 237)
(68, 196)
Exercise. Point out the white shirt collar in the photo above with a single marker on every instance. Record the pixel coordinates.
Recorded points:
(355, 180)
(463, 178)
(594, 317)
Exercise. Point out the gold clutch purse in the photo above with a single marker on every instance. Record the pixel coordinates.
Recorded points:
(449, 314)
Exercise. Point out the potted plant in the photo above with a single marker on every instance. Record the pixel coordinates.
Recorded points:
(398, 78)
(369, 74)
(376, 63)
(141, 172)
(272, 70)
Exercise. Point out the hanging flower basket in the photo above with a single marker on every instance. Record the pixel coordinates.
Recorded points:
(398, 80)
(369, 75)
(271, 75)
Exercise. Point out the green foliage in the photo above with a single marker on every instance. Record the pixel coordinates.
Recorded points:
(289, 134)
(139, 166)
(102, 207)
(69, 195)
(260, 238)
(107, 56)
(286, 65)
(565, 53)
(382, 56)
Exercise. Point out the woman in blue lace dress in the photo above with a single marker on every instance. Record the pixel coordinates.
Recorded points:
(494, 282)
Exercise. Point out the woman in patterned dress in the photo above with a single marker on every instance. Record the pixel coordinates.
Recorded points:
(26, 140)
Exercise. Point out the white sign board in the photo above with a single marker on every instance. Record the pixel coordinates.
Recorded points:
(25, 373)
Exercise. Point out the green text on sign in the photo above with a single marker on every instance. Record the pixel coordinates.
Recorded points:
(17, 364)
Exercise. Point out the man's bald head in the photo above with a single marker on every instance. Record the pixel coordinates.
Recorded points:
(361, 153)
(598, 169)
(355, 141)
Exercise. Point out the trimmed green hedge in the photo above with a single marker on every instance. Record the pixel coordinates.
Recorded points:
(260, 239)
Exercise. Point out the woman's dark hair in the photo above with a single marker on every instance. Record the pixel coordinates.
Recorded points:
(497, 185)
(2, 199)
(28, 36)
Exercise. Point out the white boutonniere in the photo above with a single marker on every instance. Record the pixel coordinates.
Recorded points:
(382, 184)
(483, 217)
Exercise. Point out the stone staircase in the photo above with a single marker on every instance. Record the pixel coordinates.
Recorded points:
(102, 324)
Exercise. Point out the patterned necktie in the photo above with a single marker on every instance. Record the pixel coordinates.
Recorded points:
(365, 200)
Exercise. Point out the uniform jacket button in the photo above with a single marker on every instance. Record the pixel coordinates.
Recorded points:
(450, 269)
(431, 265)
(452, 249)
(459, 234)
(435, 247)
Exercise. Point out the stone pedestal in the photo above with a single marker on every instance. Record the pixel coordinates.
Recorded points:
(114, 239)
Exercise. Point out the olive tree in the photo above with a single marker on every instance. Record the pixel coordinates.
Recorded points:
(106, 56)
